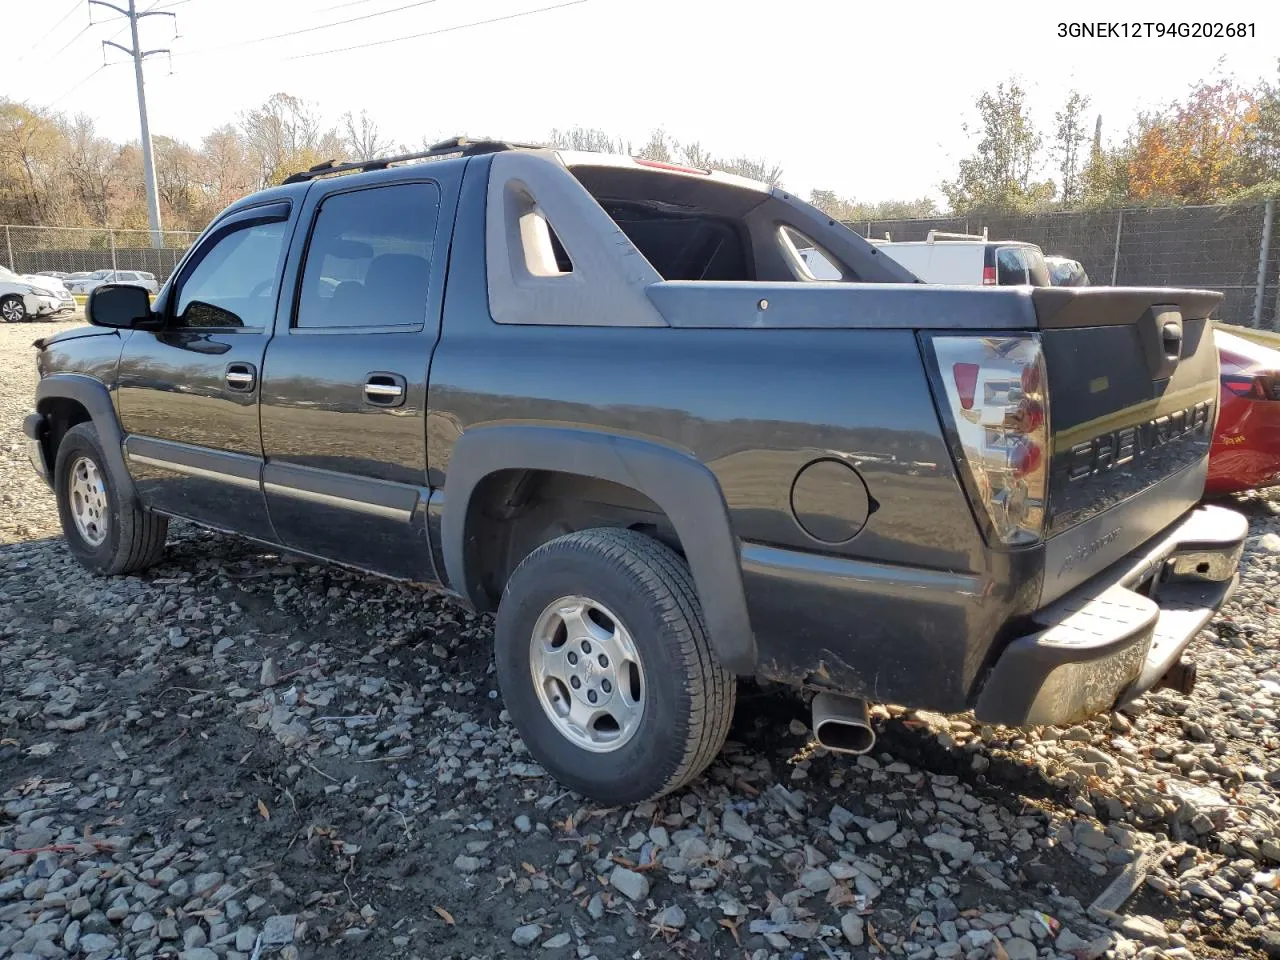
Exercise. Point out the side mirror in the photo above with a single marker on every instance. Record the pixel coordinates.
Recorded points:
(118, 305)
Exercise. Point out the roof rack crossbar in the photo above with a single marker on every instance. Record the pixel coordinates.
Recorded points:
(444, 148)
(942, 235)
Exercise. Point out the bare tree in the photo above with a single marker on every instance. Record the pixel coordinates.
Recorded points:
(754, 168)
(92, 168)
(230, 170)
(660, 147)
(285, 135)
(361, 138)
(31, 148)
(588, 139)
(693, 155)
(177, 178)
(838, 208)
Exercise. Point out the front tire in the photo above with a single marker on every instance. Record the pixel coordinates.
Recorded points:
(105, 534)
(606, 667)
(12, 309)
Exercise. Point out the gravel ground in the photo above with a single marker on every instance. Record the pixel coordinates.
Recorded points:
(243, 755)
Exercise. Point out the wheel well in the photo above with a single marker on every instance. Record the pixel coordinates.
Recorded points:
(513, 512)
(61, 414)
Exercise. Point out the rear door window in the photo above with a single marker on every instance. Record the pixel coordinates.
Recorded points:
(1011, 267)
(369, 260)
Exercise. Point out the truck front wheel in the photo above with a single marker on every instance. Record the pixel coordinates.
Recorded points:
(106, 534)
(606, 668)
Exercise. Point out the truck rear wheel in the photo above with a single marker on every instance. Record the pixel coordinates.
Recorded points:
(104, 533)
(606, 668)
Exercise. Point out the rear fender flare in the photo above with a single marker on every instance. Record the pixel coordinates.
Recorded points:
(686, 491)
(93, 396)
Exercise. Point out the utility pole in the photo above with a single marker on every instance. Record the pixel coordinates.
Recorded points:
(135, 50)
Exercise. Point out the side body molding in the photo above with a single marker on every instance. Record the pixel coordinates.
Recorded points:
(93, 396)
(684, 488)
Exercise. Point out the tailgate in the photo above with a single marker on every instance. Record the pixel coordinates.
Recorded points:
(1133, 390)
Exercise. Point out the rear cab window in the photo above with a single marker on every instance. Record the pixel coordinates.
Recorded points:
(683, 246)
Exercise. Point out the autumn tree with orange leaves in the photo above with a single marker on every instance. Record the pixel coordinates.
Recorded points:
(1189, 154)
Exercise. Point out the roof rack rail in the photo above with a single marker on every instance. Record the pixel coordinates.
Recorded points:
(940, 235)
(444, 148)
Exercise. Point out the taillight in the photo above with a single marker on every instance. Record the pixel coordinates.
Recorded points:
(966, 377)
(1261, 387)
(996, 400)
(988, 276)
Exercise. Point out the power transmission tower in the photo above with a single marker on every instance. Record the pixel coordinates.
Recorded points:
(135, 50)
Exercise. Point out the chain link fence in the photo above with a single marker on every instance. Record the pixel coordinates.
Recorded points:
(1233, 248)
(81, 249)
(1227, 248)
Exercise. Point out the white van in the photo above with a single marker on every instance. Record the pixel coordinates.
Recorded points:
(955, 258)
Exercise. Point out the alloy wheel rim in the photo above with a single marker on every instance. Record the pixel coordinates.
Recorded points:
(12, 310)
(89, 501)
(587, 674)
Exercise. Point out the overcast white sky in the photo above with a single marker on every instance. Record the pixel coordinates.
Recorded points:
(866, 98)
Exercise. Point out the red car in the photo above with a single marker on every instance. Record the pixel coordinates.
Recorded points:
(1246, 445)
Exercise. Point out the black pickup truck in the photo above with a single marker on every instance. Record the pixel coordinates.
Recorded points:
(606, 398)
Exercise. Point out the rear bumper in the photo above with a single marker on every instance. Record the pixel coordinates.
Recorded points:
(1114, 637)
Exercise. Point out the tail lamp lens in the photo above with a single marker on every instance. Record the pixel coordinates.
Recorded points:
(988, 276)
(995, 397)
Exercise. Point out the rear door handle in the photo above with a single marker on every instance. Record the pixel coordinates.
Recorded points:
(385, 389)
(241, 377)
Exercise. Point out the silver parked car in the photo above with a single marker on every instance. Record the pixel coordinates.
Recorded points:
(137, 278)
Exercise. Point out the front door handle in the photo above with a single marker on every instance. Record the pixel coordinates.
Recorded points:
(385, 389)
(241, 377)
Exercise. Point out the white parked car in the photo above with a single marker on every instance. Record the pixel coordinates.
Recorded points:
(971, 260)
(51, 284)
(29, 298)
(953, 258)
(137, 278)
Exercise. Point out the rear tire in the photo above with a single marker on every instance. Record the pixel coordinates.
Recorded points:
(662, 719)
(104, 533)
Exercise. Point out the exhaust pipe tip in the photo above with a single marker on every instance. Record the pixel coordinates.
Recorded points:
(842, 724)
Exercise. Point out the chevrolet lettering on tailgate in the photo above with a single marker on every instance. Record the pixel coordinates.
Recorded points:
(1119, 447)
